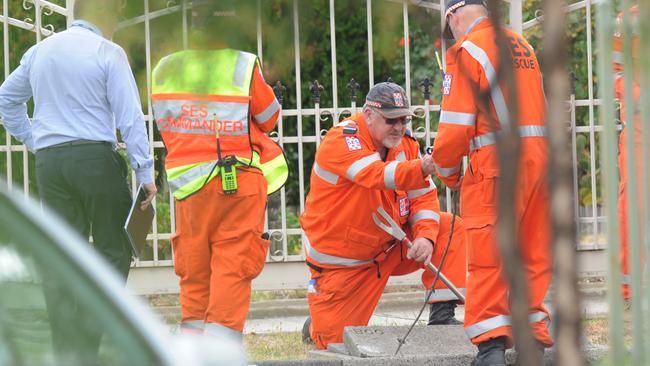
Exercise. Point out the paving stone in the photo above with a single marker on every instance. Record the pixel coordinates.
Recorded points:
(447, 340)
(338, 348)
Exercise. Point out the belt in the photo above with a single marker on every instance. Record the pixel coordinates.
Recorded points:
(76, 143)
(490, 138)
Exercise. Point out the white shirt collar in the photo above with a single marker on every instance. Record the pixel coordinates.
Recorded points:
(87, 25)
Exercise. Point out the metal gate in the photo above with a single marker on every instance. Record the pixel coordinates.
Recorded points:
(305, 119)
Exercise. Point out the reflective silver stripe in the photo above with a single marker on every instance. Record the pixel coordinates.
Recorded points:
(389, 174)
(220, 331)
(495, 90)
(487, 325)
(268, 112)
(193, 324)
(345, 122)
(532, 131)
(458, 118)
(619, 75)
(500, 321)
(325, 175)
(627, 280)
(241, 69)
(481, 141)
(490, 137)
(401, 156)
(331, 259)
(191, 175)
(447, 172)
(443, 295)
(360, 164)
(231, 118)
(537, 317)
(423, 215)
(413, 194)
(617, 57)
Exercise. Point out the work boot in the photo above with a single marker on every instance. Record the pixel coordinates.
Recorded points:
(442, 313)
(306, 336)
(491, 353)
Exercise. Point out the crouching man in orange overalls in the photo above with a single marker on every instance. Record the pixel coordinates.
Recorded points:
(365, 162)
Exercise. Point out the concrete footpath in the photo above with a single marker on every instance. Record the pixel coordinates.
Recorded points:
(376, 344)
(394, 309)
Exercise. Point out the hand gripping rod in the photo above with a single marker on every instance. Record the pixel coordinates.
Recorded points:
(394, 230)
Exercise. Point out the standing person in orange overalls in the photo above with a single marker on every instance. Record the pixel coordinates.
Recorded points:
(474, 108)
(619, 86)
(370, 160)
(213, 107)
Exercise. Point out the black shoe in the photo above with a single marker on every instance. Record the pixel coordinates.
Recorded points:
(442, 313)
(491, 353)
(306, 336)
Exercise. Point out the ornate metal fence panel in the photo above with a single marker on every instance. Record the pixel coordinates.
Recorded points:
(153, 28)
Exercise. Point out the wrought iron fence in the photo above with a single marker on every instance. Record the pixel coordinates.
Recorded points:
(305, 119)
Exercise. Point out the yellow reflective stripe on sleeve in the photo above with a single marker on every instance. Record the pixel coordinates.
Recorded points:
(276, 173)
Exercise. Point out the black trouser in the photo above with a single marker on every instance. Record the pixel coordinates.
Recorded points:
(85, 183)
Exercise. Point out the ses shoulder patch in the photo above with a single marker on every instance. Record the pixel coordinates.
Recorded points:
(353, 143)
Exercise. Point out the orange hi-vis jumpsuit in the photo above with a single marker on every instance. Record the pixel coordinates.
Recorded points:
(218, 244)
(466, 129)
(619, 86)
(350, 258)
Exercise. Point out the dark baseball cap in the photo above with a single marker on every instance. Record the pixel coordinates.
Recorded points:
(389, 99)
(451, 6)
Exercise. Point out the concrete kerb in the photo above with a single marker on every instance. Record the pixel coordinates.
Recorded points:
(592, 354)
(590, 288)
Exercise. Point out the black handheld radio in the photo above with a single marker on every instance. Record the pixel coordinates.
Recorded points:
(227, 169)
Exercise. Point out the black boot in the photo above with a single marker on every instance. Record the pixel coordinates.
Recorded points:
(306, 336)
(491, 353)
(442, 313)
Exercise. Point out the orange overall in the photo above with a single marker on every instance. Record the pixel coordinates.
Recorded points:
(349, 256)
(642, 188)
(218, 245)
(473, 102)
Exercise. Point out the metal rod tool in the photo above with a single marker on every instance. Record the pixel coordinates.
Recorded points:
(396, 231)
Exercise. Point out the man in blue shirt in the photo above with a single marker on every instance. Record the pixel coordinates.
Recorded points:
(83, 88)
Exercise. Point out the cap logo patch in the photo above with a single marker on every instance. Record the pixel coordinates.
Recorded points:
(370, 103)
(353, 143)
(446, 84)
(397, 98)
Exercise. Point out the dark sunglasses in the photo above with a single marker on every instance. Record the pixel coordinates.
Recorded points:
(393, 121)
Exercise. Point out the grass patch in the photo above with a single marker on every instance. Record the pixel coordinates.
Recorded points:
(596, 330)
(276, 346)
(278, 295)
